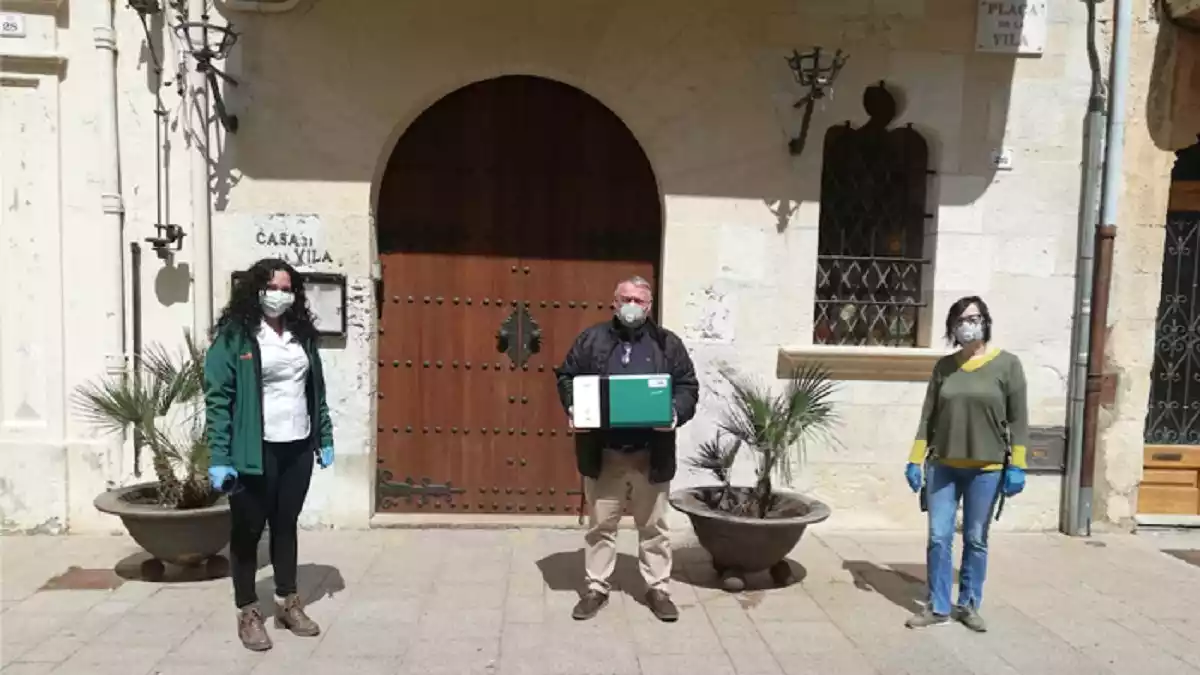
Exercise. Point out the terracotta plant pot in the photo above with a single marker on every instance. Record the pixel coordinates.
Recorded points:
(740, 545)
(185, 537)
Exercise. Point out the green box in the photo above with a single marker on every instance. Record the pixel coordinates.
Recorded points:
(638, 401)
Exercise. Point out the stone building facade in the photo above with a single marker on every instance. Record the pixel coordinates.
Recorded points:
(330, 94)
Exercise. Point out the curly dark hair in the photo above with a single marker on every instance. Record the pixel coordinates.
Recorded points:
(244, 311)
(956, 311)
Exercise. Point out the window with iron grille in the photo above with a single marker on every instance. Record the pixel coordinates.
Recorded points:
(1173, 412)
(870, 251)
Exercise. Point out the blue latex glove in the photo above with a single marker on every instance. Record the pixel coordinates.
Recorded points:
(325, 456)
(1014, 481)
(217, 475)
(912, 473)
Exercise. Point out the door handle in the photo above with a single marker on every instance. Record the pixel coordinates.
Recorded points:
(519, 335)
(535, 339)
(379, 298)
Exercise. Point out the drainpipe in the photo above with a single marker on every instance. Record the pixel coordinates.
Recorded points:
(111, 233)
(202, 318)
(1094, 274)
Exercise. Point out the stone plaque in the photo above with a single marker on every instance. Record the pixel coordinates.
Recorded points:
(1011, 26)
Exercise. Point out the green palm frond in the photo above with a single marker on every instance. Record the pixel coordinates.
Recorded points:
(164, 387)
(717, 457)
(116, 402)
(773, 425)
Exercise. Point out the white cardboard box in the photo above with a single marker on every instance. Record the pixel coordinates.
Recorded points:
(585, 392)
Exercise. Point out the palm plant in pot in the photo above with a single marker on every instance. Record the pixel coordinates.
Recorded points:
(748, 529)
(178, 518)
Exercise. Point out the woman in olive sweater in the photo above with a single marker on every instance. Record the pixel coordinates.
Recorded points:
(973, 432)
(267, 424)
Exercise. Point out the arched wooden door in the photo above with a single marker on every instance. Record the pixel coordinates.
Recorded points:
(508, 212)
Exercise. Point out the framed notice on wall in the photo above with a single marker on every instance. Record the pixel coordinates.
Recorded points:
(1015, 27)
(326, 294)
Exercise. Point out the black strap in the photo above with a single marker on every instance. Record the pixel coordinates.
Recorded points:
(582, 497)
(923, 496)
(1001, 496)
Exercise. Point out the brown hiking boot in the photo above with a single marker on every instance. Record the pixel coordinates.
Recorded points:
(251, 630)
(289, 615)
(661, 606)
(589, 605)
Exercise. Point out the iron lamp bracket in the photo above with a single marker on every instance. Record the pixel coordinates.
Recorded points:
(169, 240)
(818, 78)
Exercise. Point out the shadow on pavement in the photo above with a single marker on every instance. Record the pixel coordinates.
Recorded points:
(565, 572)
(314, 582)
(703, 575)
(134, 566)
(902, 584)
(1189, 556)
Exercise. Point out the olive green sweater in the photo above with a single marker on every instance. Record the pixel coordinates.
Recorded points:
(966, 408)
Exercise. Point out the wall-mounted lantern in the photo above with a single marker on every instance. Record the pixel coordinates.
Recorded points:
(209, 42)
(206, 42)
(817, 76)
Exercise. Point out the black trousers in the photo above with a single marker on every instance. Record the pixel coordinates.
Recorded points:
(275, 497)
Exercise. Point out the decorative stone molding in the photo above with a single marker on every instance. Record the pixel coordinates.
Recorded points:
(883, 364)
(31, 55)
(29, 59)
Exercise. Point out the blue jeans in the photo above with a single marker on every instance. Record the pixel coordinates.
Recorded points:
(978, 491)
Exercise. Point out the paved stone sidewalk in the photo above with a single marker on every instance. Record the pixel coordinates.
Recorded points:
(426, 602)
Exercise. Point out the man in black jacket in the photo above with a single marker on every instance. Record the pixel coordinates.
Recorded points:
(614, 461)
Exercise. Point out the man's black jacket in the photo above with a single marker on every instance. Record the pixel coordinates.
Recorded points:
(590, 356)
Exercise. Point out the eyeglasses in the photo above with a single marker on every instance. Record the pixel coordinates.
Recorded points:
(974, 320)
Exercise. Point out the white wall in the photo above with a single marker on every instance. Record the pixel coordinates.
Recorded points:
(329, 87)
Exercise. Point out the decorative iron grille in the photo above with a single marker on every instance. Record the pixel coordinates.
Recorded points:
(1175, 378)
(871, 231)
(1174, 407)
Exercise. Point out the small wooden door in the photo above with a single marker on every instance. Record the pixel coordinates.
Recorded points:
(509, 211)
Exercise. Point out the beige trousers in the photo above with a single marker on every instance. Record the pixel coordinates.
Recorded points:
(620, 472)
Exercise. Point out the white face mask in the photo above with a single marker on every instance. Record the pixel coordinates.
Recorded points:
(274, 303)
(966, 333)
(631, 314)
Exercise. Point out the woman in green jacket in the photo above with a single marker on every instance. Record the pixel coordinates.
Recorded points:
(973, 431)
(267, 423)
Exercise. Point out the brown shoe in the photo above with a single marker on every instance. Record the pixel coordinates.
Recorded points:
(251, 630)
(289, 615)
(589, 605)
(661, 606)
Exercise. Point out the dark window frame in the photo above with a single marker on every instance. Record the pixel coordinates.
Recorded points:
(871, 233)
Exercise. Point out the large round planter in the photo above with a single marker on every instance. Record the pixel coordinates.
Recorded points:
(186, 537)
(740, 545)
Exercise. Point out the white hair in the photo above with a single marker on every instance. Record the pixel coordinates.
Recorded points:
(635, 280)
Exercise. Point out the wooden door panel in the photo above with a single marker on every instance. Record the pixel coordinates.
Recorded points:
(1168, 499)
(1170, 477)
(1187, 478)
(442, 415)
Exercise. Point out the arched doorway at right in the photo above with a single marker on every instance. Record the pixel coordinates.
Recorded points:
(1171, 465)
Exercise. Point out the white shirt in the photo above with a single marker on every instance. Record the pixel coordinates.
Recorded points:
(285, 380)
